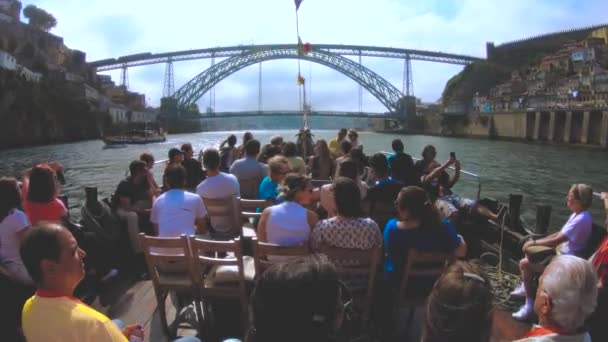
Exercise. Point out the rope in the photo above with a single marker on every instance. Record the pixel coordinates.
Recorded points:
(502, 282)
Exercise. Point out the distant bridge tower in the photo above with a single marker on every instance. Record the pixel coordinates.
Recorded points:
(124, 77)
(408, 80)
(169, 85)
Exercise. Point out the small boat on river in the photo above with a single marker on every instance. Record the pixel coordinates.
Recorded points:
(143, 136)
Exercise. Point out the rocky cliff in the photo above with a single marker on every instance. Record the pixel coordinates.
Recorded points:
(43, 113)
(53, 110)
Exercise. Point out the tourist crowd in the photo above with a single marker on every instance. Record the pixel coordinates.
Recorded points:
(330, 195)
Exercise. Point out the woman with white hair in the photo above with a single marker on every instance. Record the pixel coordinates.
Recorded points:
(566, 296)
(572, 239)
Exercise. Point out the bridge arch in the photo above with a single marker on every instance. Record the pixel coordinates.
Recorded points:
(384, 91)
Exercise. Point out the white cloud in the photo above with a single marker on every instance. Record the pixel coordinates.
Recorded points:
(114, 28)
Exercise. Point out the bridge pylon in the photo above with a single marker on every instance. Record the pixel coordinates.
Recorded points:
(124, 77)
(169, 84)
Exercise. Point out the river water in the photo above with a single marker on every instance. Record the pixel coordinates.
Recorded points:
(542, 173)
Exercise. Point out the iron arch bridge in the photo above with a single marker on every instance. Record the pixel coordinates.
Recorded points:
(330, 55)
(231, 51)
(385, 92)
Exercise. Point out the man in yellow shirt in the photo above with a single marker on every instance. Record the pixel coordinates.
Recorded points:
(55, 263)
(334, 144)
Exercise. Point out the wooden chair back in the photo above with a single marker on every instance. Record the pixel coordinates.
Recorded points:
(249, 187)
(224, 216)
(167, 259)
(353, 264)
(168, 263)
(421, 264)
(248, 207)
(205, 267)
(268, 254)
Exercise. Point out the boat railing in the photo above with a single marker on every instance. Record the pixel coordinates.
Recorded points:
(468, 173)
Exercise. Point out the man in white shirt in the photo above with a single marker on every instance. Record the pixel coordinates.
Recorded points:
(217, 184)
(177, 211)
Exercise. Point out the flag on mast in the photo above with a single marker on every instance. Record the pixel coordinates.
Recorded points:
(298, 3)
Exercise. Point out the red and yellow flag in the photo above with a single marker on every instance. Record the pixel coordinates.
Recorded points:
(298, 3)
(301, 80)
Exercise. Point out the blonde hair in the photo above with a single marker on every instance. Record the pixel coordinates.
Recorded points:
(583, 193)
(276, 162)
(293, 183)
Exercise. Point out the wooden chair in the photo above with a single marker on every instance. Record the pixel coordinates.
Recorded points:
(426, 265)
(225, 218)
(168, 262)
(216, 277)
(353, 264)
(264, 250)
(249, 187)
(248, 209)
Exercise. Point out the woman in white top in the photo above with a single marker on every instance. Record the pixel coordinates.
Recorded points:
(289, 223)
(348, 169)
(13, 227)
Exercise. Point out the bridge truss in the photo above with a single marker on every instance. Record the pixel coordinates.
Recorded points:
(385, 92)
(231, 51)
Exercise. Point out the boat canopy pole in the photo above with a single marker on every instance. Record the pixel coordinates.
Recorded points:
(597, 194)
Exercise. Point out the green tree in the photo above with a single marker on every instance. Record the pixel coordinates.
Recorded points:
(39, 18)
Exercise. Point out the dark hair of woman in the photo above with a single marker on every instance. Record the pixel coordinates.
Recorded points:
(292, 184)
(415, 200)
(290, 149)
(357, 155)
(298, 301)
(348, 168)
(268, 151)
(429, 152)
(246, 137)
(10, 196)
(348, 198)
(460, 306)
(42, 187)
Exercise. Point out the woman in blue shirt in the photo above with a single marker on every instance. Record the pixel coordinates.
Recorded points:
(417, 226)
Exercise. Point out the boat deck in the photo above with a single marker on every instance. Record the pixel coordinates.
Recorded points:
(134, 301)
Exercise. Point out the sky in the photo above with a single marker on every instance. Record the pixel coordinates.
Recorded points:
(113, 28)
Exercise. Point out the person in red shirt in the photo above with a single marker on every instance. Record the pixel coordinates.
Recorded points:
(40, 191)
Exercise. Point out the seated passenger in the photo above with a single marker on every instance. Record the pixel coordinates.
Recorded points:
(571, 240)
(177, 211)
(14, 225)
(217, 184)
(277, 141)
(249, 167)
(565, 298)
(296, 164)
(268, 151)
(194, 169)
(345, 148)
(289, 223)
(353, 137)
(460, 306)
(335, 144)
(298, 301)
(401, 165)
(417, 226)
(132, 200)
(385, 189)
(348, 170)
(321, 164)
(40, 191)
(350, 228)
(149, 160)
(228, 154)
(269, 187)
(451, 206)
(241, 149)
(55, 263)
(427, 163)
